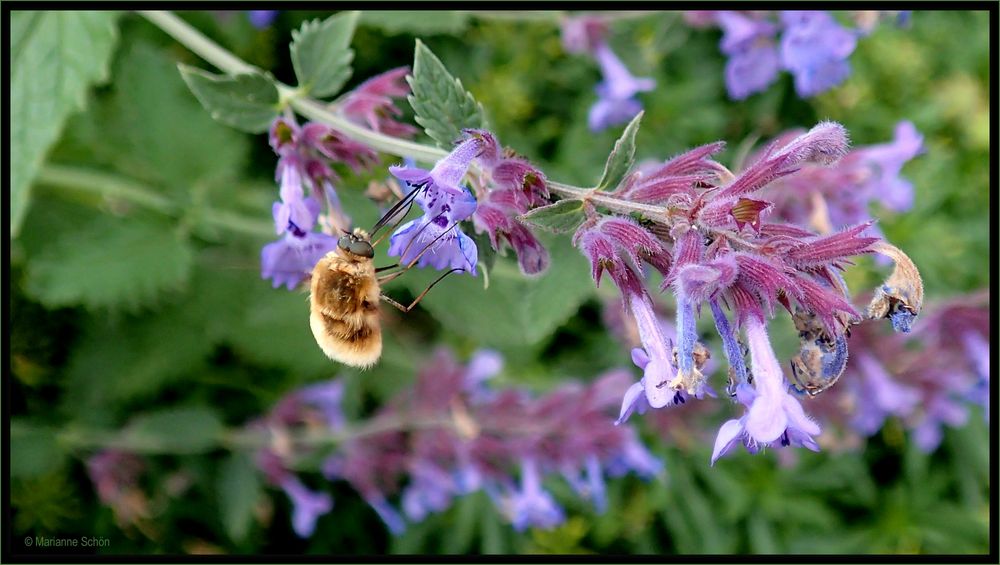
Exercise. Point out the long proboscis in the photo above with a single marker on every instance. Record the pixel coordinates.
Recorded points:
(394, 211)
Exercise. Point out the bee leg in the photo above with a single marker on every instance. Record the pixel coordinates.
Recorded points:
(393, 302)
(413, 262)
(386, 268)
(421, 295)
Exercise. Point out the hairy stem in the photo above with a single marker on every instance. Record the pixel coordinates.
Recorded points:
(321, 112)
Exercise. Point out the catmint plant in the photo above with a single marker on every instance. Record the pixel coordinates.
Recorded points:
(712, 234)
(716, 246)
(450, 435)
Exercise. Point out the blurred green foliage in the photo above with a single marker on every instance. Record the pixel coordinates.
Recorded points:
(147, 313)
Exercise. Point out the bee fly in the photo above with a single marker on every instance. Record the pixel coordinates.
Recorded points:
(345, 290)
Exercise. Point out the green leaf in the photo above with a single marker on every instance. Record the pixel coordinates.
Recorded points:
(321, 53)
(151, 129)
(174, 430)
(416, 22)
(33, 450)
(463, 529)
(239, 489)
(54, 58)
(275, 331)
(442, 106)
(561, 217)
(621, 157)
(109, 262)
(248, 101)
(520, 310)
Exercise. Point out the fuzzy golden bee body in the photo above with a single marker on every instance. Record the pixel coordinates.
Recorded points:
(344, 297)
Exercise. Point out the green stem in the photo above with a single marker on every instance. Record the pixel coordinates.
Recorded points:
(109, 185)
(197, 42)
(318, 111)
(104, 184)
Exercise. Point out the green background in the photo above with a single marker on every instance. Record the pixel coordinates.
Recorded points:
(152, 307)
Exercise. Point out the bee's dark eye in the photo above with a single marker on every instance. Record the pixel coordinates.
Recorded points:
(361, 248)
(345, 242)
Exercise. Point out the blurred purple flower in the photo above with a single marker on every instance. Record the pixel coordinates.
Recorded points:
(978, 350)
(389, 515)
(616, 103)
(941, 411)
(327, 397)
(262, 18)
(371, 103)
(878, 396)
(531, 506)
(884, 162)
(753, 54)
(837, 196)
(815, 48)
(588, 482)
(307, 506)
(115, 475)
(582, 34)
(635, 458)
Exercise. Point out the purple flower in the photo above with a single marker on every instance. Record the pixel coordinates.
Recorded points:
(445, 202)
(291, 258)
(307, 506)
(773, 416)
(484, 365)
(815, 48)
(116, 474)
(389, 515)
(636, 398)
(431, 490)
(591, 484)
(531, 506)
(656, 359)
(941, 410)
(689, 378)
(798, 433)
(326, 396)
(295, 213)
(634, 457)
(884, 163)
(435, 236)
(371, 103)
(978, 350)
(879, 396)
(774, 412)
(262, 18)
(616, 103)
(753, 55)
(582, 34)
